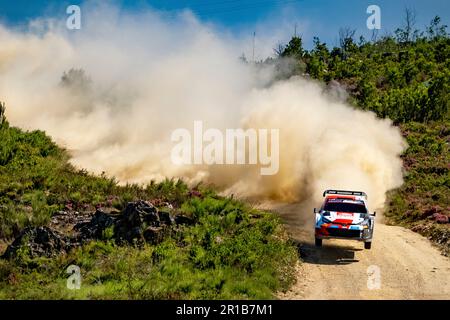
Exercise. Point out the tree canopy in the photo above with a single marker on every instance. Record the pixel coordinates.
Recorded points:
(404, 77)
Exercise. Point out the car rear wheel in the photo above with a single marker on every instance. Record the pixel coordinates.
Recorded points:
(318, 242)
(367, 245)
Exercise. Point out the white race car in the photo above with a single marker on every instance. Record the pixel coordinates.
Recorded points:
(344, 215)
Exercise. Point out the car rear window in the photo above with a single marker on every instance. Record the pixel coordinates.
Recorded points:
(345, 206)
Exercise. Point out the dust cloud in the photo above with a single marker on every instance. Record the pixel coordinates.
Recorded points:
(146, 74)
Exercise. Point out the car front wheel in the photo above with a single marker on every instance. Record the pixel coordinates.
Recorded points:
(367, 245)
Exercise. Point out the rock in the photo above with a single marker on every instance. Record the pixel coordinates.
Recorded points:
(95, 228)
(65, 221)
(136, 215)
(132, 216)
(37, 242)
(139, 216)
(124, 232)
(165, 218)
(141, 206)
(152, 219)
(181, 219)
(154, 235)
(140, 221)
(137, 212)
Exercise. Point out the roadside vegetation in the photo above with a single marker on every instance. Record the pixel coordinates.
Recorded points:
(231, 251)
(422, 203)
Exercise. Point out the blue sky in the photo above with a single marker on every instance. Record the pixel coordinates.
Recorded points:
(322, 17)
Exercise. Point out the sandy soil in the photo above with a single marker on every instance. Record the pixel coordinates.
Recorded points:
(410, 267)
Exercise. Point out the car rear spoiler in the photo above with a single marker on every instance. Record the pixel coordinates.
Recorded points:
(345, 192)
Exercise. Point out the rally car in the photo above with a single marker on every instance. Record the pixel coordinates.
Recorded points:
(344, 215)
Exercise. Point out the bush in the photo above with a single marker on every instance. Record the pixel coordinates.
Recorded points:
(427, 181)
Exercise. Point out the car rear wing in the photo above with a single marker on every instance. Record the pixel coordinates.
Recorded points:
(345, 192)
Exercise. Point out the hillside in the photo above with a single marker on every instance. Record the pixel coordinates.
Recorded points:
(400, 79)
(423, 202)
(159, 241)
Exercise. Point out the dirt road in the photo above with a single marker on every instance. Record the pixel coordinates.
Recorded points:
(410, 267)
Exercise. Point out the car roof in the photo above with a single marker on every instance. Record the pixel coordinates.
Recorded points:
(348, 199)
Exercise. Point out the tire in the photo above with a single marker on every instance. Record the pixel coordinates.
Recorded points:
(318, 242)
(367, 245)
